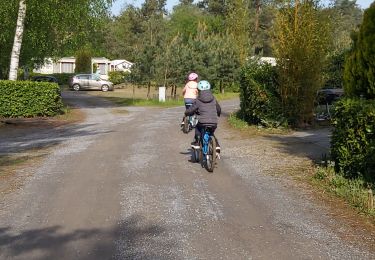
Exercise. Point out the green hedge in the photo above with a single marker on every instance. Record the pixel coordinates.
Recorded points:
(259, 96)
(353, 139)
(29, 99)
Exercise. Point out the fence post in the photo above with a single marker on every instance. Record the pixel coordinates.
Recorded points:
(162, 94)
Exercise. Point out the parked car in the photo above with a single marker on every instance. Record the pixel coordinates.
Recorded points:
(45, 79)
(329, 95)
(88, 82)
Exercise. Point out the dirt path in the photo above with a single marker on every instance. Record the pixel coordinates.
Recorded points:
(122, 186)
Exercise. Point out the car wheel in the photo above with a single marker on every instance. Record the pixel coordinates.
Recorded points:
(105, 88)
(76, 87)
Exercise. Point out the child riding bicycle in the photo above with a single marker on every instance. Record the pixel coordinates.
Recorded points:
(190, 91)
(208, 110)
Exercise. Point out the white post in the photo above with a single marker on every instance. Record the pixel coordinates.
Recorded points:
(161, 94)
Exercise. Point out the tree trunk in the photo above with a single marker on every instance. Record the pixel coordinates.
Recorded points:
(148, 90)
(15, 56)
(257, 14)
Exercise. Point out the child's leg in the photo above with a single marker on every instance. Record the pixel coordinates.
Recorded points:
(217, 140)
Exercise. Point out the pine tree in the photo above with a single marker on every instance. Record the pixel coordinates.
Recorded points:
(83, 61)
(359, 75)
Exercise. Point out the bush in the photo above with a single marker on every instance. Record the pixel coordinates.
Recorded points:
(118, 77)
(29, 99)
(259, 96)
(353, 139)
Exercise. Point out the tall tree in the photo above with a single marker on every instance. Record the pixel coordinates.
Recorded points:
(301, 41)
(54, 28)
(15, 55)
(238, 25)
(360, 65)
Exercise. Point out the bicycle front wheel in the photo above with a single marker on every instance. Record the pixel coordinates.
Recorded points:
(185, 127)
(211, 154)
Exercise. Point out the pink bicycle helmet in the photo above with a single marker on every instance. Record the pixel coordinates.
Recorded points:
(192, 76)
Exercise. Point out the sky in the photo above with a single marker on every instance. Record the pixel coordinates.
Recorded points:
(119, 4)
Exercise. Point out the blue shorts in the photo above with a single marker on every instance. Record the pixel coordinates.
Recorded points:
(188, 102)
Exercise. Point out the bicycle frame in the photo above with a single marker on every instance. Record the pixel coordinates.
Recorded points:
(206, 135)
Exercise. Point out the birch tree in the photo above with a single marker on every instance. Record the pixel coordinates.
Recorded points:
(15, 55)
(49, 28)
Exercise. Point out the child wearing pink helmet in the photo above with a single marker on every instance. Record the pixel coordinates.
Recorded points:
(190, 91)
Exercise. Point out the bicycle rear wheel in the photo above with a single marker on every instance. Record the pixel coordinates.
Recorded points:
(211, 154)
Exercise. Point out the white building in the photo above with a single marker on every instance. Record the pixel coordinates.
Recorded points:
(121, 65)
(68, 64)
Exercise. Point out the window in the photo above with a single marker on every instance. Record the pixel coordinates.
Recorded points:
(67, 67)
(84, 77)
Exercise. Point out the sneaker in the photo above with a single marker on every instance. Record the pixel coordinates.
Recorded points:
(195, 145)
(182, 123)
(218, 149)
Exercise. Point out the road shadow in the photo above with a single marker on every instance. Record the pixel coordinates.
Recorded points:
(83, 99)
(313, 144)
(23, 140)
(133, 238)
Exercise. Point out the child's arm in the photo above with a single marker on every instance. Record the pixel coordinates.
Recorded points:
(218, 108)
(192, 110)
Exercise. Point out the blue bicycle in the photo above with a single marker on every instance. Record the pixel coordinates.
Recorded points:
(206, 154)
(189, 121)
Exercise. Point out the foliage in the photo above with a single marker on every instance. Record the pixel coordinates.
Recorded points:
(359, 73)
(83, 61)
(352, 190)
(301, 41)
(353, 139)
(118, 77)
(345, 16)
(29, 99)
(52, 29)
(259, 95)
(334, 72)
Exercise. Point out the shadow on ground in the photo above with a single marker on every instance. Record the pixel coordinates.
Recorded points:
(124, 241)
(313, 144)
(20, 140)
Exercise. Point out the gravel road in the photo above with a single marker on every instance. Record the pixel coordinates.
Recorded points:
(122, 186)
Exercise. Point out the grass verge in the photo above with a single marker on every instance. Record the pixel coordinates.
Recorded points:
(124, 97)
(226, 96)
(354, 191)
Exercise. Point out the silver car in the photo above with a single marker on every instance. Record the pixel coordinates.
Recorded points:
(89, 81)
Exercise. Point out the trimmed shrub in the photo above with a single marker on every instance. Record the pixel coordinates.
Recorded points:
(259, 96)
(29, 99)
(353, 139)
(63, 78)
(118, 77)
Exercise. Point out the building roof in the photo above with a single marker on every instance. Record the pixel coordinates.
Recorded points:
(118, 62)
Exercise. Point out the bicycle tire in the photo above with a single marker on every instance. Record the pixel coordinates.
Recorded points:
(211, 154)
(185, 127)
